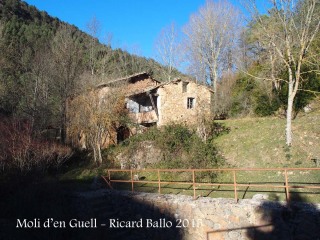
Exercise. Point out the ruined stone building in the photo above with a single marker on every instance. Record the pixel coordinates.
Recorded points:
(153, 103)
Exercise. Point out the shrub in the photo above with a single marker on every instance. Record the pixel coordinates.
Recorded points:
(20, 149)
(250, 97)
(242, 97)
(311, 84)
(265, 106)
(255, 96)
(180, 146)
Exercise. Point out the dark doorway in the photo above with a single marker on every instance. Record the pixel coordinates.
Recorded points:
(122, 134)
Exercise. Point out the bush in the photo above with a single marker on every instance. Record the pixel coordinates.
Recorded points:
(20, 149)
(265, 106)
(180, 146)
(303, 98)
(242, 97)
(250, 97)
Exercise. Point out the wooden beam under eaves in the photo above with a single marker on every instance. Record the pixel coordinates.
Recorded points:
(153, 104)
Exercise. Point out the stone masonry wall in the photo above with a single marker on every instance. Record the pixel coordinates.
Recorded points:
(172, 103)
(209, 218)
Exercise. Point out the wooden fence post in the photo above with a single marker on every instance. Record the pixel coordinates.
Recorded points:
(159, 182)
(194, 186)
(109, 179)
(235, 186)
(132, 188)
(286, 185)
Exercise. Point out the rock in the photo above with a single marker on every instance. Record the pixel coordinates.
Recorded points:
(260, 197)
(307, 109)
(234, 235)
(145, 153)
(136, 177)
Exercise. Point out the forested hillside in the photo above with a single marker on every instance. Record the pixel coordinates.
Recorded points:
(44, 60)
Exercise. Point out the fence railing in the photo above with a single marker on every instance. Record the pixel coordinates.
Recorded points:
(134, 178)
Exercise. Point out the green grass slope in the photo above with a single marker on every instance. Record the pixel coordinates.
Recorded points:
(260, 142)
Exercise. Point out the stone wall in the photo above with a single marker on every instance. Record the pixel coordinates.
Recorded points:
(208, 218)
(172, 102)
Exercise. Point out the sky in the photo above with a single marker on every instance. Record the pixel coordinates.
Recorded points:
(133, 24)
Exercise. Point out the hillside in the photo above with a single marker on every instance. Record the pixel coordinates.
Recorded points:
(44, 61)
(24, 25)
(260, 142)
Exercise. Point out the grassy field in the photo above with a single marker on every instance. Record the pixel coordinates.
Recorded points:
(260, 142)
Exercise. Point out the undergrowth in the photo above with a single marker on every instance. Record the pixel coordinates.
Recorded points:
(181, 147)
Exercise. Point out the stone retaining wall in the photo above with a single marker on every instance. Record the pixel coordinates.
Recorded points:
(208, 218)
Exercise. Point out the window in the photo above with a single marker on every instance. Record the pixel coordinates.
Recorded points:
(184, 87)
(190, 103)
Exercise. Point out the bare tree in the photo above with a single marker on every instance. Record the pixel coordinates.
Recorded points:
(224, 95)
(287, 34)
(1, 41)
(267, 58)
(167, 47)
(211, 36)
(37, 101)
(105, 55)
(66, 68)
(94, 28)
(102, 112)
(2, 61)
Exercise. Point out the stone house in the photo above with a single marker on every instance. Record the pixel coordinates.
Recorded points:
(176, 101)
(153, 103)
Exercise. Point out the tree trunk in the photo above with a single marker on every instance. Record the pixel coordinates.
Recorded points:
(289, 115)
(94, 154)
(99, 154)
(214, 79)
(64, 123)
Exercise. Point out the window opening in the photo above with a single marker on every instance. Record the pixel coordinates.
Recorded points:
(190, 103)
(184, 87)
